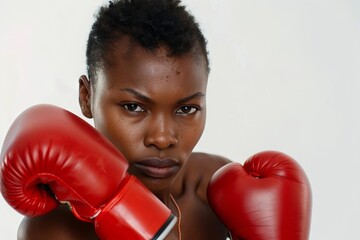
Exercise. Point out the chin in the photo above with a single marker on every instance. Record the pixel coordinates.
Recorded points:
(159, 183)
(158, 186)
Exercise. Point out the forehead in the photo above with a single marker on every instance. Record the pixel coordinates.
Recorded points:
(132, 64)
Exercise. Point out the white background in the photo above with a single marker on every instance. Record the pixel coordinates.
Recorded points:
(285, 76)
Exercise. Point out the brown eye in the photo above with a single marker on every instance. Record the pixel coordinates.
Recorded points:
(132, 107)
(187, 110)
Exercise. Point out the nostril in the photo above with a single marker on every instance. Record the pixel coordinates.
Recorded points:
(161, 142)
(171, 145)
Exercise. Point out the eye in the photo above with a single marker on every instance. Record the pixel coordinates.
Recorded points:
(133, 107)
(186, 110)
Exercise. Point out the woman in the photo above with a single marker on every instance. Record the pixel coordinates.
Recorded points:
(146, 92)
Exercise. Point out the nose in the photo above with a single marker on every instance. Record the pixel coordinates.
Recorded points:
(161, 133)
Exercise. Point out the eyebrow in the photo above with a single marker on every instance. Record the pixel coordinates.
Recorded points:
(136, 94)
(188, 98)
(147, 99)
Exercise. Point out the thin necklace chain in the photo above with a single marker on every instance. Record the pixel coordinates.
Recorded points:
(179, 213)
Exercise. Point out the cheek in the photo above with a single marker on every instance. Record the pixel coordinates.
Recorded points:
(190, 134)
(126, 136)
(119, 130)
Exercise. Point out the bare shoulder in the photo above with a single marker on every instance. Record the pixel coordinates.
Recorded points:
(59, 224)
(199, 169)
(208, 161)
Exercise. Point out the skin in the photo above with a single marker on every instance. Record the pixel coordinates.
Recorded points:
(150, 106)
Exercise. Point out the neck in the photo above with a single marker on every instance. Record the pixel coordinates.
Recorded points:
(164, 193)
(164, 196)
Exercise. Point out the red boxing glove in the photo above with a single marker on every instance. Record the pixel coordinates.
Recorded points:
(269, 198)
(49, 148)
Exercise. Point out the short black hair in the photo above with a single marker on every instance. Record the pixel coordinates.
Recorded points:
(149, 23)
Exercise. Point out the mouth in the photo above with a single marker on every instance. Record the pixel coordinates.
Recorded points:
(157, 168)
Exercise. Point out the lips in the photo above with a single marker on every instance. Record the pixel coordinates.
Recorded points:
(157, 168)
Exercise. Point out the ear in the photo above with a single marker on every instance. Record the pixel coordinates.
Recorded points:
(84, 96)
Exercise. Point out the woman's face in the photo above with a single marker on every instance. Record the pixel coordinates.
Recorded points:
(152, 108)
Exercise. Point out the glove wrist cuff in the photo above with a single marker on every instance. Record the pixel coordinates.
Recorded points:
(135, 213)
